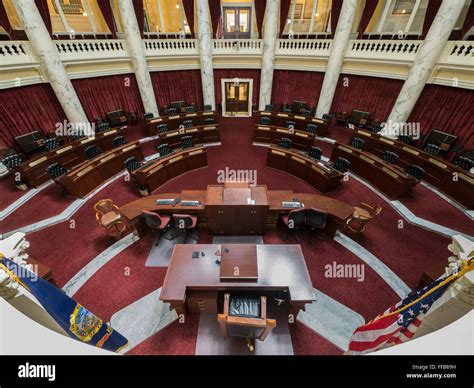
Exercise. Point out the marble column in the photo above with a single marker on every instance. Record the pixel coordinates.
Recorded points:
(425, 60)
(136, 51)
(51, 65)
(268, 58)
(336, 56)
(205, 52)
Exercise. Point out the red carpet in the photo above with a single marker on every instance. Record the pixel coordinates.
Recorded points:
(8, 192)
(306, 342)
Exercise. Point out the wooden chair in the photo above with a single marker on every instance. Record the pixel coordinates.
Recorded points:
(108, 216)
(245, 317)
(360, 217)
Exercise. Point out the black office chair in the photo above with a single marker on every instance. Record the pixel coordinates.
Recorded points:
(406, 139)
(118, 141)
(162, 128)
(77, 134)
(12, 161)
(188, 123)
(264, 120)
(293, 221)
(285, 143)
(132, 164)
(390, 157)
(316, 220)
(148, 116)
(268, 108)
(464, 163)
(103, 126)
(305, 112)
(51, 144)
(55, 170)
(315, 153)
(311, 128)
(286, 110)
(290, 124)
(342, 164)
(190, 109)
(358, 143)
(209, 120)
(208, 108)
(172, 111)
(92, 151)
(432, 149)
(164, 149)
(327, 117)
(187, 142)
(376, 127)
(415, 171)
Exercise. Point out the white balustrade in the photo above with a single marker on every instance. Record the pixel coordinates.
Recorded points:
(170, 47)
(458, 53)
(237, 47)
(15, 53)
(303, 47)
(385, 50)
(87, 50)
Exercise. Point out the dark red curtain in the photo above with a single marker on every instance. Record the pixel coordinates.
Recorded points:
(284, 9)
(5, 23)
(43, 9)
(290, 85)
(138, 6)
(215, 10)
(369, 9)
(26, 109)
(370, 94)
(180, 85)
(431, 11)
(188, 6)
(336, 6)
(108, 15)
(469, 20)
(99, 95)
(260, 6)
(254, 74)
(447, 109)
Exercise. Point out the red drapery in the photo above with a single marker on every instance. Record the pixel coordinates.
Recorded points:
(215, 10)
(431, 11)
(188, 6)
(138, 6)
(43, 9)
(180, 85)
(108, 15)
(26, 109)
(336, 6)
(284, 8)
(290, 85)
(469, 20)
(370, 94)
(99, 95)
(5, 23)
(254, 74)
(260, 6)
(369, 9)
(447, 109)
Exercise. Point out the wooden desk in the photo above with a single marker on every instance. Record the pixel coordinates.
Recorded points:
(193, 285)
(88, 176)
(301, 122)
(315, 172)
(158, 172)
(389, 179)
(229, 213)
(203, 134)
(33, 171)
(439, 172)
(270, 134)
(175, 121)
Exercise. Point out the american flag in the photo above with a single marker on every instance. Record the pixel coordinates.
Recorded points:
(220, 27)
(400, 322)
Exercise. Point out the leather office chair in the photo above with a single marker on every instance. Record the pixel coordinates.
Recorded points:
(316, 220)
(464, 163)
(376, 127)
(108, 216)
(189, 109)
(209, 120)
(361, 216)
(208, 108)
(390, 157)
(164, 149)
(406, 139)
(12, 161)
(285, 143)
(264, 120)
(77, 134)
(187, 142)
(172, 111)
(342, 165)
(315, 153)
(162, 128)
(290, 124)
(415, 171)
(286, 110)
(118, 141)
(432, 149)
(268, 108)
(51, 144)
(186, 223)
(148, 116)
(103, 126)
(245, 317)
(158, 223)
(306, 112)
(327, 117)
(92, 151)
(311, 128)
(55, 170)
(293, 221)
(358, 143)
(187, 123)
(132, 164)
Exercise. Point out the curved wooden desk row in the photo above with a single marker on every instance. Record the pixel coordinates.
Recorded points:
(271, 134)
(174, 122)
(156, 173)
(33, 171)
(203, 134)
(89, 175)
(439, 172)
(389, 179)
(301, 122)
(315, 172)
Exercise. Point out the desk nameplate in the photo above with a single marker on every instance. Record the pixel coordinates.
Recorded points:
(38, 161)
(60, 151)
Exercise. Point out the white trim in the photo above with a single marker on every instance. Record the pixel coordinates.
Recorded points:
(181, 17)
(388, 5)
(412, 16)
(250, 93)
(66, 26)
(313, 16)
(90, 17)
(160, 14)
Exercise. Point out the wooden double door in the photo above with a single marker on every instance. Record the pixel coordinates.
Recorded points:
(237, 219)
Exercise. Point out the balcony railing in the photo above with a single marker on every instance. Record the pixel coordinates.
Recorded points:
(383, 49)
(237, 47)
(171, 47)
(303, 47)
(14, 53)
(86, 50)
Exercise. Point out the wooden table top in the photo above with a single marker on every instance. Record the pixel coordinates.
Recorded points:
(279, 267)
(239, 262)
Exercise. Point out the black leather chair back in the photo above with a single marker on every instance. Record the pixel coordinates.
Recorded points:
(132, 164)
(432, 149)
(148, 116)
(315, 152)
(190, 109)
(51, 144)
(268, 108)
(118, 141)
(92, 151)
(311, 128)
(172, 111)
(390, 157)
(187, 141)
(464, 163)
(316, 218)
(164, 149)
(357, 142)
(264, 120)
(55, 170)
(188, 123)
(342, 164)
(405, 139)
(415, 171)
(209, 120)
(327, 117)
(12, 161)
(290, 124)
(208, 108)
(296, 218)
(285, 143)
